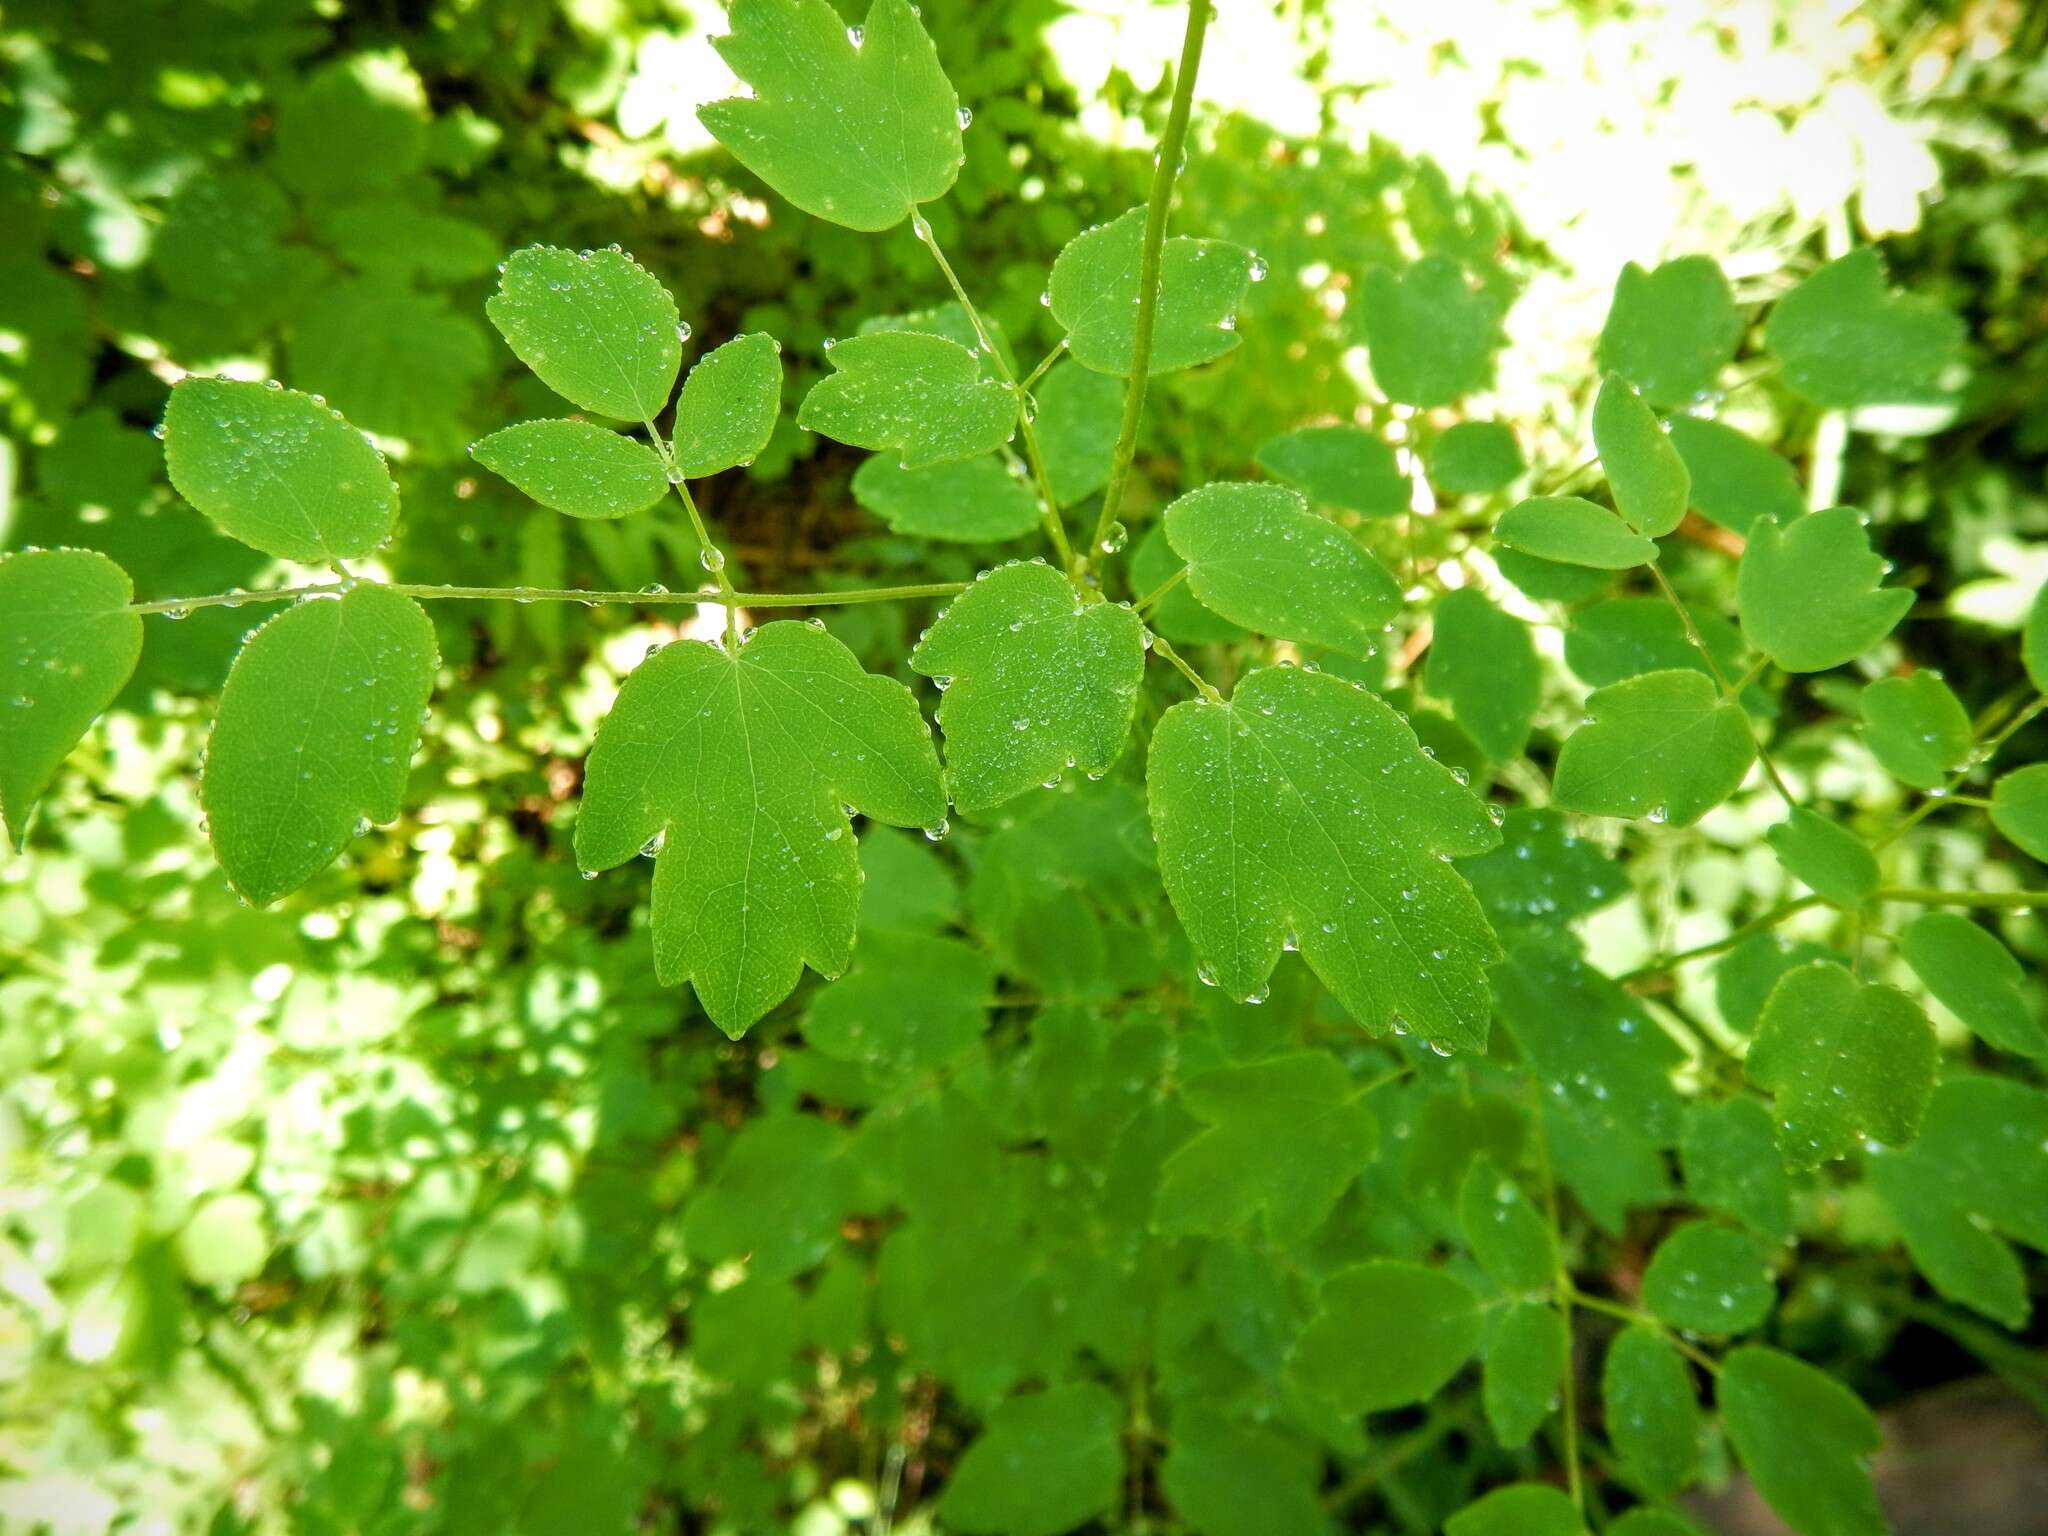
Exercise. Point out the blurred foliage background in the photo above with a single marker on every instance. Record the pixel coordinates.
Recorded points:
(409, 1205)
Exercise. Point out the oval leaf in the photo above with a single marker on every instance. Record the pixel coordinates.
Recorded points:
(575, 467)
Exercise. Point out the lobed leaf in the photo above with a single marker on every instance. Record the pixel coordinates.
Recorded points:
(1429, 334)
(1808, 591)
(1665, 745)
(1339, 466)
(1845, 341)
(315, 734)
(1093, 294)
(1671, 331)
(740, 773)
(1305, 808)
(920, 394)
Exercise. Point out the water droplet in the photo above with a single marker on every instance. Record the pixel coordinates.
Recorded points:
(1257, 271)
(1659, 814)
(654, 589)
(1227, 323)
(1115, 538)
(713, 559)
(684, 331)
(936, 832)
(854, 35)
(965, 118)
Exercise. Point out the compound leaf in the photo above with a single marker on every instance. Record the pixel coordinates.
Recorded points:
(1975, 977)
(1036, 682)
(1845, 1059)
(1846, 342)
(1285, 1137)
(1306, 807)
(1484, 662)
(969, 501)
(315, 733)
(1665, 745)
(1339, 466)
(1430, 334)
(856, 125)
(740, 773)
(1709, 1279)
(1670, 332)
(1650, 1411)
(1804, 1439)
(1573, 531)
(596, 327)
(277, 470)
(1808, 590)
(920, 394)
(1916, 728)
(1650, 482)
(1259, 557)
(1045, 1463)
(575, 467)
(68, 644)
(726, 412)
(1094, 295)
(1388, 1334)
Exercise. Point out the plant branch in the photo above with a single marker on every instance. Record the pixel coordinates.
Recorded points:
(1161, 590)
(1928, 897)
(1202, 686)
(1729, 940)
(1171, 146)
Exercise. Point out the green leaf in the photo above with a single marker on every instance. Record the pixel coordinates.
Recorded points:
(596, 327)
(1650, 482)
(1651, 1413)
(920, 394)
(1976, 1175)
(1430, 335)
(1227, 1480)
(727, 410)
(315, 733)
(1670, 332)
(1644, 1521)
(2034, 640)
(747, 1333)
(575, 467)
(396, 361)
(1094, 297)
(1549, 580)
(1846, 342)
(783, 1187)
(1036, 681)
(1743, 981)
(740, 773)
(1542, 874)
(1388, 1334)
(1573, 531)
(277, 470)
(1177, 615)
(1625, 637)
(1078, 416)
(1976, 978)
(970, 501)
(1808, 591)
(353, 125)
(909, 1001)
(1504, 1230)
(1259, 557)
(1044, 1464)
(68, 645)
(1475, 458)
(1735, 479)
(1804, 1439)
(226, 1241)
(1285, 1137)
(1916, 728)
(1484, 662)
(1826, 856)
(855, 125)
(1305, 807)
(1709, 1279)
(1525, 1363)
(1338, 466)
(2019, 809)
(1732, 1164)
(1520, 1509)
(1846, 1060)
(1665, 745)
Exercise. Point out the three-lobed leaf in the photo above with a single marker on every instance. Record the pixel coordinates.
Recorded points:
(1260, 558)
(596, 327)
(68, 644)
(1671, 331)
(1305, 808)
(1665, 745)
(740, 773)
(1036, 682)
(1093, 294)
(1808, 590)
(855, 125)
(1339, 465)
(575, 467)
(921, 394)
(315, 734)
(1429, 334)
(278, 470)
(1846, 341)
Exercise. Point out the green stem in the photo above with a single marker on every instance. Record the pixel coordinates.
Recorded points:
(1561, 1288)
(1048, 504)
(1936, 799)
(1756, 670)
(1727, 941)
(1045, 367)
(1171, 146)
(1162, 589)
(1692, 634)
(1161, 649)
(588, 598)
(1927, 897)
(709, 555)
(1394, 1457)
(1648, 1320)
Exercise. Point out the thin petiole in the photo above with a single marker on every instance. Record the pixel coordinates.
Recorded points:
(1728, 689)
(1202, 685)
(1162, 589)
